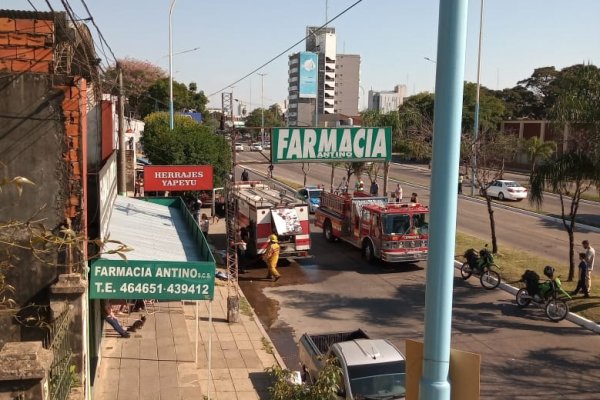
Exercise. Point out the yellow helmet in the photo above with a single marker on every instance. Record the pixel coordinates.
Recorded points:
(273, 238)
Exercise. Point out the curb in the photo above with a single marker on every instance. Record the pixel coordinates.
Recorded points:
(572, 317)
(263, 332)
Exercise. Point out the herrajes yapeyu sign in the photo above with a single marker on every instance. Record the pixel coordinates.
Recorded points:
(331, 144)
(178, 177)
(161, 280)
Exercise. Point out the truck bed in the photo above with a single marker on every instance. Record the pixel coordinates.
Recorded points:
(324, 341)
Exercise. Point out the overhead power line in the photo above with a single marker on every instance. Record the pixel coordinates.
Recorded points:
(286, 50)
(100, 35)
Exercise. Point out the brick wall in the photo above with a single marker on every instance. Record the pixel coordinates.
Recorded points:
(26, 45)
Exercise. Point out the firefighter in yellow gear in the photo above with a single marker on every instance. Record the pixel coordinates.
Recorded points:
(271, 257)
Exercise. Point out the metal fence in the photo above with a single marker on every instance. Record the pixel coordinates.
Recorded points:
(58, 339)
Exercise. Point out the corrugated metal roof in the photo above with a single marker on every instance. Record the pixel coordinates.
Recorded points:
(155, 232)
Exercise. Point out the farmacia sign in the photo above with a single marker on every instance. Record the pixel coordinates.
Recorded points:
(331, 144)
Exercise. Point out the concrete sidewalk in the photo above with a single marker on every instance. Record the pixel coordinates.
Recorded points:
(158, 361)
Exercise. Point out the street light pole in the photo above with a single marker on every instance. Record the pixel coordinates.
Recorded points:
(171, 118)
(476, 119)
(317, 96)
(262, 107)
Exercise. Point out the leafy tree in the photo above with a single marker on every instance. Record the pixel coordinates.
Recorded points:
(138, 76)
(353, 168)
(325, 387)
(189, 143)
(577, 103)
(519, 103)
(540, 84)
(273, 117)
(157, 98)
(570, 175)
(491, 149)
(491, 109)
(577, 95)
(538, 150)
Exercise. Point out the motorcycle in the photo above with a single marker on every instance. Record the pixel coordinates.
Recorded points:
(549, 294)
(481, 264)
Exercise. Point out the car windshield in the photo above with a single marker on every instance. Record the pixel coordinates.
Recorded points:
(396, 223)
(378, 381)
(421, 223)
(314, 194)
(399, 224)
(511, 184)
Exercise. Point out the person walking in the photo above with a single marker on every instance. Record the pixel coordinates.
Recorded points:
(245, 176)
(196, 207)
(360, 185)
(343, 187)
(590, 255)
(271, 257)
(398, 193)
(460, 183)
(374, 190)
(204, 224)
(582, 282)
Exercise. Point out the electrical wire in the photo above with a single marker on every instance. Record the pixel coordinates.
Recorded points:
(286, 50)
(102, 39)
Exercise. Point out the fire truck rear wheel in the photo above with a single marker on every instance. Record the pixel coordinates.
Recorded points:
(328, 231)
(368, 252)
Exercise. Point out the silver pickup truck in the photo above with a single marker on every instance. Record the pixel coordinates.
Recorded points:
(372, 369)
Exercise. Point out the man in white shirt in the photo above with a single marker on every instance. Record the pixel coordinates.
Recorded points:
(590, 254)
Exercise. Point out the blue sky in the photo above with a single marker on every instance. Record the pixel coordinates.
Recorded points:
(392, 37)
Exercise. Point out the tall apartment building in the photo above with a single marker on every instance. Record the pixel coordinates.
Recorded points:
(336, 83)
(323, 42)
(302, 88)
(347, 84)
(386, 101)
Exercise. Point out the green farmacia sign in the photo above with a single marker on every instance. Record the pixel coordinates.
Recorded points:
(330, 144)
(161, 280)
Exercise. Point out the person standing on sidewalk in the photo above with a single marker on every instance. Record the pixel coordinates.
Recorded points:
(271, 257)
(204, 224)
(582, 282)
(590, 254)
(460, 183)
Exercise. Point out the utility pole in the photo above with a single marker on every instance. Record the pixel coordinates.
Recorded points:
(122, 177)
(476, 119)
(262, 107)
(171, 111)
(317, 94)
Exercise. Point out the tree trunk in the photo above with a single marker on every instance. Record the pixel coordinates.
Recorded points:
(488, 201)
(386, 171)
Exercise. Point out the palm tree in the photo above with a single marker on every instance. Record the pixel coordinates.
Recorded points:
(569, 176)
(539, 150)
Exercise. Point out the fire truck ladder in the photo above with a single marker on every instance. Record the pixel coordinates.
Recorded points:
(231, 228)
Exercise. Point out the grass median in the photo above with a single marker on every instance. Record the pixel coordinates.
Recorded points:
(514, 262)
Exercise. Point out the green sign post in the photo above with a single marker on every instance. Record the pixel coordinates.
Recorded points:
(331, 144)
(161, 280)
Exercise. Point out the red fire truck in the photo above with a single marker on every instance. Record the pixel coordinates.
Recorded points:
(391, 232)
(263, 210)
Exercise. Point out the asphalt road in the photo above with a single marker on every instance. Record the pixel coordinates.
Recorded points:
(518, 229)
(524, 356)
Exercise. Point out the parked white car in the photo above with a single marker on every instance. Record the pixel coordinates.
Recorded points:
(510, 190)
(256, 147)
(239, 147)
